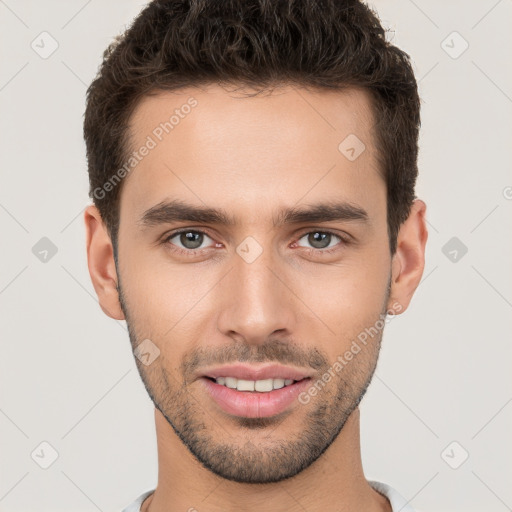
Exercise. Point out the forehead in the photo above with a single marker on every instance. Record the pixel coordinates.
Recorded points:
(212, 145)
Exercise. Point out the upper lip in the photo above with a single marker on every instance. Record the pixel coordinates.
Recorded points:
(248, 372)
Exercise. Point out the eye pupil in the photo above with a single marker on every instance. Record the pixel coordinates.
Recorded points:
(314, 239)
(191, 237)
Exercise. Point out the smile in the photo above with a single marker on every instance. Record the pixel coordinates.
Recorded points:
(254, 399)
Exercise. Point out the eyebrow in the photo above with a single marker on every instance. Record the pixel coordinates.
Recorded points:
(170, 211)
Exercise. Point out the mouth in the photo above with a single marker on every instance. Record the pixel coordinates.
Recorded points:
(247, 372)
(254, 398)
(258, 386)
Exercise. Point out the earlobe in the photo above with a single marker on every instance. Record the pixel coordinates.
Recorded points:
(409, 259)
(100, 261)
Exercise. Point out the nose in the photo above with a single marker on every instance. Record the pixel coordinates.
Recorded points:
(257, 299)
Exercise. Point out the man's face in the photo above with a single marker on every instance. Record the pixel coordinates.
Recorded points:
(255, 292)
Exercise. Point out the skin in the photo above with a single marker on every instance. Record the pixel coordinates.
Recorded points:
(251, 157)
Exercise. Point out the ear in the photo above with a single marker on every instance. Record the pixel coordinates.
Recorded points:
(100, 260)
(409, 259)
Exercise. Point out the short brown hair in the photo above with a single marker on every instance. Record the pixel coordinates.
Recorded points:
(323, 44)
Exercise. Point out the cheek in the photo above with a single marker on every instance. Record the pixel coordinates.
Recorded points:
(361, 275)
(347, 310)
(348, 298)
(145, 293)
(167, 304)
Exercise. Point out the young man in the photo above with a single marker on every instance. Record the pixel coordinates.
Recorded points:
(252, 165)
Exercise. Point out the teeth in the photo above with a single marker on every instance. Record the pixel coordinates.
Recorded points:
(263, 386)
(278, 383)
(230, 382)
(245, 385)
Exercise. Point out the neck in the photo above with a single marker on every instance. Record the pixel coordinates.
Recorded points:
(335, 481)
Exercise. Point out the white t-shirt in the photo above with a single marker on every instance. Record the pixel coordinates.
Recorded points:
(398, 502)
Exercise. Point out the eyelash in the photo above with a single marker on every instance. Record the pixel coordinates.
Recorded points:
(311, 251)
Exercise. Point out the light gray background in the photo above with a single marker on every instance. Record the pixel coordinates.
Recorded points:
(67, 375)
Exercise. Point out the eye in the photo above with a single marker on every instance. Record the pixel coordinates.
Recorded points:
(322, 240)
(189, 242)
(189, 239)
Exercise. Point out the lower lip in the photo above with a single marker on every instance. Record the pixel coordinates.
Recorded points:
(252, 404)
